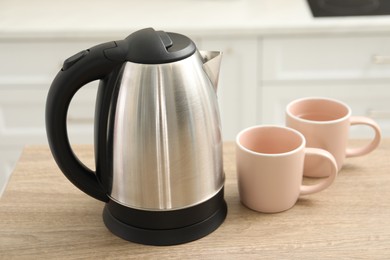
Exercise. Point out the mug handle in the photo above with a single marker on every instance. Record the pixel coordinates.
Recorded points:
(323, 183)
(361, 120)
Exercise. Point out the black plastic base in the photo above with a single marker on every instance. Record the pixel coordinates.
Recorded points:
(163, 228)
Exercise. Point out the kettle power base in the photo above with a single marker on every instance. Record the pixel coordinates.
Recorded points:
(164, 237)
(168, 227)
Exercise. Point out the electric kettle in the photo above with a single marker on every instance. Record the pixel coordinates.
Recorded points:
(157, 139)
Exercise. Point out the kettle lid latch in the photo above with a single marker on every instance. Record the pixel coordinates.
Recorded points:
(166, 40)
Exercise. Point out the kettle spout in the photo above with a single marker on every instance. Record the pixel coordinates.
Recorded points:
(212, 65)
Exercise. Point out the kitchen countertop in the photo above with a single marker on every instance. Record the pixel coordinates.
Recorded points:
(116, 18)
(42, 215)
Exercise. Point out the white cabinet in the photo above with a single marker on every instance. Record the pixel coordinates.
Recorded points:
(259, 75)
(354, 69)
(326, 58)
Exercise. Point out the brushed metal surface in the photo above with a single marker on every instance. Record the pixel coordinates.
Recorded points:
(167, 142)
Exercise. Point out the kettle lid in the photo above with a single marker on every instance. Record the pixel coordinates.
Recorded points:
(148, 46)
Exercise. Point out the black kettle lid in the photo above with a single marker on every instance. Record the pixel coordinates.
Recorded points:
(148, 46)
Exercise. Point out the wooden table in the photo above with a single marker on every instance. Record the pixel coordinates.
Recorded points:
(42, 215)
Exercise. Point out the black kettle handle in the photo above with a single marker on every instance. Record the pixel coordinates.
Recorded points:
(95, 63)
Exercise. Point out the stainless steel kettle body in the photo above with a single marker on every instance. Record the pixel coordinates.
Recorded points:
(158, 143)
(167, 145)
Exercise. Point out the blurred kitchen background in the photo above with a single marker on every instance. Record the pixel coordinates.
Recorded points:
(274, 51)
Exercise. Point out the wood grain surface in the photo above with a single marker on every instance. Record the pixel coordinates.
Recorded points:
(43, 216)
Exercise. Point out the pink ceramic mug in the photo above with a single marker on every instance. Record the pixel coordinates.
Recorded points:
(270, 162)
(325, 124)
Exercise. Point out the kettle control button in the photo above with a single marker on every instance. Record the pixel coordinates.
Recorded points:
(115, 52)
(73, 59)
